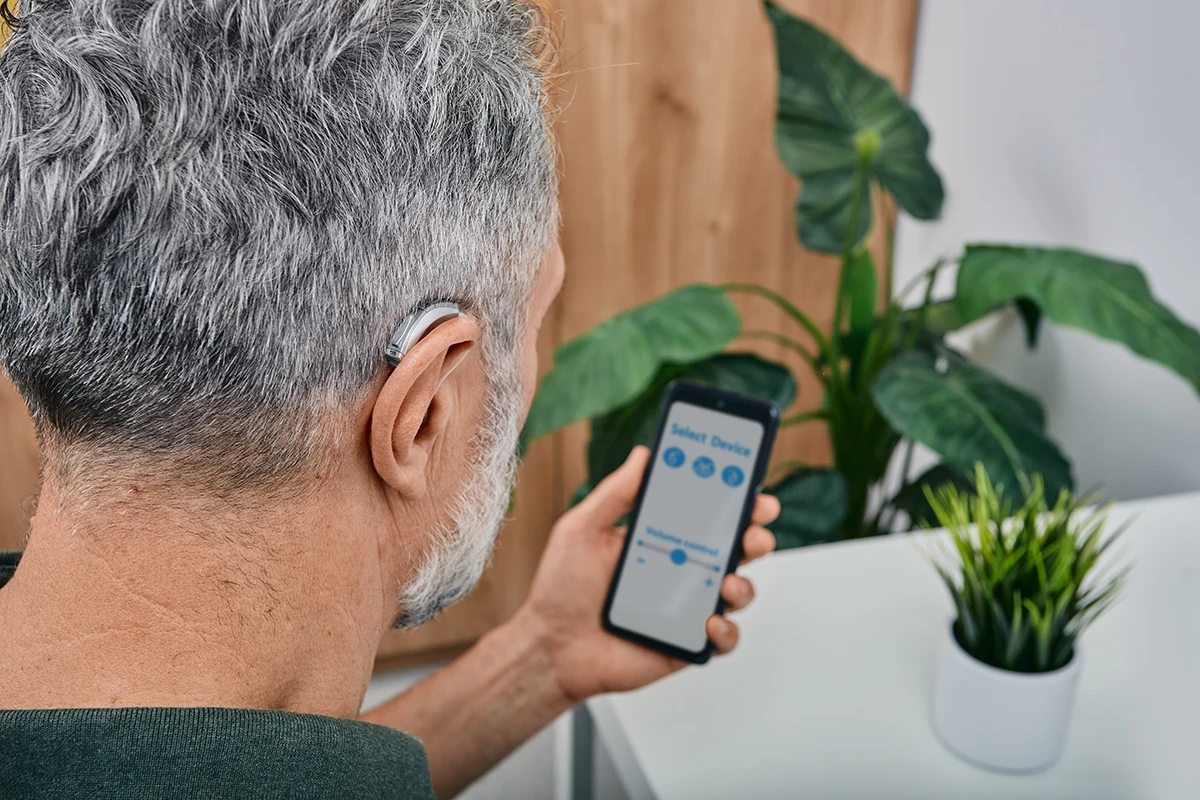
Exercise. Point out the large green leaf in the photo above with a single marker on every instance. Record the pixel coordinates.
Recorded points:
(814, 504)
(968, 415)
(831, 107)
(1107, 298)
(616, 433)
(614, 362)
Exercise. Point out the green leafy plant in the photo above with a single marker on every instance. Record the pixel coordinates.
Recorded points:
(889, 377)
(1025, 584)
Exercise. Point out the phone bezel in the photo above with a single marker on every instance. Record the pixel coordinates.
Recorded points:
(724, 402)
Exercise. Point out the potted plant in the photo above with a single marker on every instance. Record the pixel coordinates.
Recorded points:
(889, 377)
(1025, 586)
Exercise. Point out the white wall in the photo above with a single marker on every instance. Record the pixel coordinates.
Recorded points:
(1075, 122)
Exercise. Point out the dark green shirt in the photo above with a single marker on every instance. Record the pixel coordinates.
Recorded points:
(134, 753)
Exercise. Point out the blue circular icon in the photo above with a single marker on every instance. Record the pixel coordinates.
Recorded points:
(678, 555)
(703, 466)
(733, 476)
(674, 457)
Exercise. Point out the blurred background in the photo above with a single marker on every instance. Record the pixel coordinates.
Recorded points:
(1068, 123)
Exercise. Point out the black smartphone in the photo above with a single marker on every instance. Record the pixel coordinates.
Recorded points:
(685, 531)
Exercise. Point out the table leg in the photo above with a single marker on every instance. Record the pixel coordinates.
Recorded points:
(583, 755)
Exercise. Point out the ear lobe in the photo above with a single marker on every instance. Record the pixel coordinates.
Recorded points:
(411, 411)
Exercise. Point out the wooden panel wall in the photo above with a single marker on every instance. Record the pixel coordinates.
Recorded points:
(669, 176)
(18, 467)
(670, 170)
(4, 31)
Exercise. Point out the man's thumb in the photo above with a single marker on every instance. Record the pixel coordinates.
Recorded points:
(613, 497)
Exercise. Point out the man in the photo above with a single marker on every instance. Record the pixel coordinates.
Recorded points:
(213, 216)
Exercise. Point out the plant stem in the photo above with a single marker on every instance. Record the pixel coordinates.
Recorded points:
(807, 416)
(790, 344)
(907, 464)
(923, 311)
(849, 242)
(788, 308)
(846, 433)
(890, 505)
(920, 276)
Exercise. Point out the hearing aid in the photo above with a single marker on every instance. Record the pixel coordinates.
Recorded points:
(415, 326)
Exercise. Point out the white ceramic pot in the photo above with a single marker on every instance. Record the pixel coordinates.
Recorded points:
(1002, 720)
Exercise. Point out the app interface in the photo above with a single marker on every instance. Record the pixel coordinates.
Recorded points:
(686, 526)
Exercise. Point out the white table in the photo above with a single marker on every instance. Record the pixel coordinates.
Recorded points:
(828, 695)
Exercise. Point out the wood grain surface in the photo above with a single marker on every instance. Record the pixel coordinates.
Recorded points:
(670, 173)
(4, 31)
(19, 459)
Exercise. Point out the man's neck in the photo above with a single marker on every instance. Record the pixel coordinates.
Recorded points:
(166, 602)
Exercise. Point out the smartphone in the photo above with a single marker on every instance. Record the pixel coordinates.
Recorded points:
(707, 466)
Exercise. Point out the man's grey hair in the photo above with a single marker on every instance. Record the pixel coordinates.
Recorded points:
(214, 213)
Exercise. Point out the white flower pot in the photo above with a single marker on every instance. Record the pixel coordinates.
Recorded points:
(1002, 720)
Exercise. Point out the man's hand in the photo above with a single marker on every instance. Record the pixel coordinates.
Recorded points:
(553, 653)
(572, 581)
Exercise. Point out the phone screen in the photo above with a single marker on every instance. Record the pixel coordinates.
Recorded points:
(687, 525)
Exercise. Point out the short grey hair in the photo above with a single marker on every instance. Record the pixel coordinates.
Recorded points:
(214, 213)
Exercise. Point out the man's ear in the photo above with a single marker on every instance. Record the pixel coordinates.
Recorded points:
(411, 411)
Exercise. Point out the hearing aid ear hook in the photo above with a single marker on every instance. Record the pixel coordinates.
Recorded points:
(416, 325)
